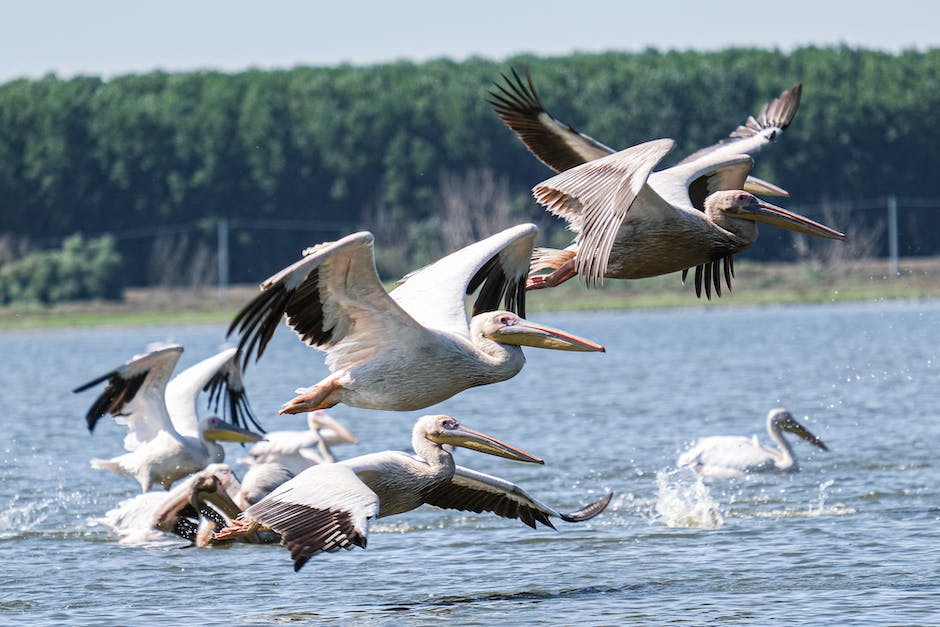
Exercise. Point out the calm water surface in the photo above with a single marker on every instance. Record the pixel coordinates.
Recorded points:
(853, 539)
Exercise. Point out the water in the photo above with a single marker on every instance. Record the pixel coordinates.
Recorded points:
(854, 538)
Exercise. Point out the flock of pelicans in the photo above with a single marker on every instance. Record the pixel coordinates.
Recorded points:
(416, 346)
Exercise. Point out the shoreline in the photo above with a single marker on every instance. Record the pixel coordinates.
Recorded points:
(754, 284)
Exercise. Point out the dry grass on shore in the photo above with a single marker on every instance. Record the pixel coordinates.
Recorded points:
(755, 283)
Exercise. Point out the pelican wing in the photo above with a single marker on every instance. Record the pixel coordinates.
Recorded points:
(755, 133)
(689, 184)
(498, 265)
(595, 198)
(330, 296)
(323, 509)
(554, 143)
(135, 395)
(219, 375)
(474, 491)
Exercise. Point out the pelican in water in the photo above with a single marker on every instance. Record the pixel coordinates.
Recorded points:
(633, 223)
(298, 450)
(561, 147)
(328, 507)
(138, 395)
(735, 456)
(412, 347)
(204, 501)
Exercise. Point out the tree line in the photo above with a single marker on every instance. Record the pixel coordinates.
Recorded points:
(406, 149)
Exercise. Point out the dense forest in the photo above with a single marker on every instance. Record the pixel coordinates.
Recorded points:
(414, 152)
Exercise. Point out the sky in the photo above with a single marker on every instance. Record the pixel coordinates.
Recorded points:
(113, 37)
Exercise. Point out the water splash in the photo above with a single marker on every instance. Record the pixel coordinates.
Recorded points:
(683, 500)
(131, 522)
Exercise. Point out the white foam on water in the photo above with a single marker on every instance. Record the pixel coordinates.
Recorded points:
(683, 500)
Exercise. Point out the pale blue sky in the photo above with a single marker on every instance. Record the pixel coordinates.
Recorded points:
(110, 37)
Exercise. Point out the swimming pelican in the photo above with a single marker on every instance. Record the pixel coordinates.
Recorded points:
(734, 456)
(415, 346)
(328, 507)
(561, 147)
(298, 450)
(633, 223)
(158, 452)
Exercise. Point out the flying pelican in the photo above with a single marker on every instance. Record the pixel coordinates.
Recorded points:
(633, 223)
(735, 456)
(298, 450)
(158, 452)
(561, 147)
(415, 346)
(328, 507)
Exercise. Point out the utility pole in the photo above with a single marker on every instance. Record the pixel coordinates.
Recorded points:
(893, 235)
(223, 258)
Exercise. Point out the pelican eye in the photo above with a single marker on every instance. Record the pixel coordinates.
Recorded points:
(450, 424)
(743, 198)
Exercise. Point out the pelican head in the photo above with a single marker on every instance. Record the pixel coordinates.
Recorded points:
(746, 206)
(215, 429)
(506, 327)
(319, 419)
(446, 430)
(781, 420)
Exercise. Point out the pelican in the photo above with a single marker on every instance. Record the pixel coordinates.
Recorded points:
(298, 450)
(159, 453)
(328, 507)
(735, 456)
(415, 346)
(561, 147)
(633, 223)
(213, 495)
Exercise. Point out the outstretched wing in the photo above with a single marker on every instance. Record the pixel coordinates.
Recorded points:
(554, 143)
(750, 137)
(220, 376)
(596, 196)
(474, 491)
(498, 265)
(332, 295)
(323, 509)
(135, 395)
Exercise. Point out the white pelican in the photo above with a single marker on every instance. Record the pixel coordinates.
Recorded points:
(328, 507)
(159, 453)
(633, 223)
(734, 456)
(561, 147)
(415, 346)
(298, 450)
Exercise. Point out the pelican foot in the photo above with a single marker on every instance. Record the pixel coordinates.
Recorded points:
(313, 398)
(237, 529)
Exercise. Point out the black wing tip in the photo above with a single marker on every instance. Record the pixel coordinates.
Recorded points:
(94, 382)
(590, 510)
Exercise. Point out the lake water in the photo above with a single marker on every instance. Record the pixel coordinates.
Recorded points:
(854, 538)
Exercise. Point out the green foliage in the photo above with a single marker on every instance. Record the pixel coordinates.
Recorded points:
(326, 145)
(81, 270)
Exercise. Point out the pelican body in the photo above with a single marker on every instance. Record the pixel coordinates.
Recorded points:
(328, 507)
(734, 456)
(654, 238)
(415, 346)
(160, 452)
(298, 450)
(632, 222)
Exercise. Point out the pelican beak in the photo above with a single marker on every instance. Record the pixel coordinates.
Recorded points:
(525, 333)
(226, 431)
(799, 430)
(325, 421)
(761, 187)
(760, 211)
(474, 440)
